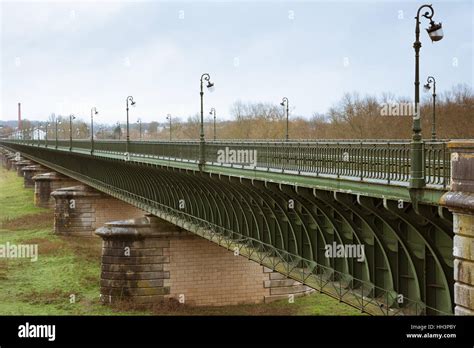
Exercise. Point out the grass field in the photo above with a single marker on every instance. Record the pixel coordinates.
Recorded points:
(71, 266)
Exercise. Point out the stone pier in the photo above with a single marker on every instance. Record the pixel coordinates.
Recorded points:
(134, 259)
(29, 172)
(460, 200)
(80, 210)
(10, 161)
(7, 157)
(147, 260)
(46, 183)
(19, 165)
(10, 158)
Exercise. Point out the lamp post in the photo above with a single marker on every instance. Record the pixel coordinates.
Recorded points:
(427, 87)
(132, 102)
(93, 112)
(210, 87)
(101, 132)
(119, 127)
(168, 117)
(139, 121)
(58, 121)
(417, 175)
(46, 133)
(71, 117)
(284, 102)
(213, 112)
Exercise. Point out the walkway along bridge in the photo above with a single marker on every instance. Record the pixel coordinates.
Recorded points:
(282, 209)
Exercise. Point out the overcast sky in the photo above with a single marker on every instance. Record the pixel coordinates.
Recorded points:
(66, 57)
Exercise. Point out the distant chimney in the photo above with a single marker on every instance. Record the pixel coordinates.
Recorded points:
(19, 115)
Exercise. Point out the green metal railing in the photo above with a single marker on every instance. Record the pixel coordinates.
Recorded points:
(386, 161)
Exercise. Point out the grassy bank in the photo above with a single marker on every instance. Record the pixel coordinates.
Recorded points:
(69, 266)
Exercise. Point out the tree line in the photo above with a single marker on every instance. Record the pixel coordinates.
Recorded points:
(352, 117)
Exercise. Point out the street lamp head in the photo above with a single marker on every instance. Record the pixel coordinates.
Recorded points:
(210, 86)
(282, 104)
(427, 87)
(435, 31)
(133, 103)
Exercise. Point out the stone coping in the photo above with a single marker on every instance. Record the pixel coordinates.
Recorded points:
(23, 163)
(50, 176)
(34, 167)
(461, 143)
(76, 191)
(145, 227)
(463, 201)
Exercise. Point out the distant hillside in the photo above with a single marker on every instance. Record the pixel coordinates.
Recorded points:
(11, 124)
(14, 123)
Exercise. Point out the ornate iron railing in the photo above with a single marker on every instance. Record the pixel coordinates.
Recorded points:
(379, 161)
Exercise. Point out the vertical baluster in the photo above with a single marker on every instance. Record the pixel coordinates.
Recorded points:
(317, 152)
(428, 163)
(446, 167)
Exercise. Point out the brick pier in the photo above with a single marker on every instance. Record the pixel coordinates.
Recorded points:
(80, 210)
(148, 260)
(46, 183)
(29, 172)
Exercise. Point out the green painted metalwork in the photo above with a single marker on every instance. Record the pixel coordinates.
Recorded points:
(408, 265)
